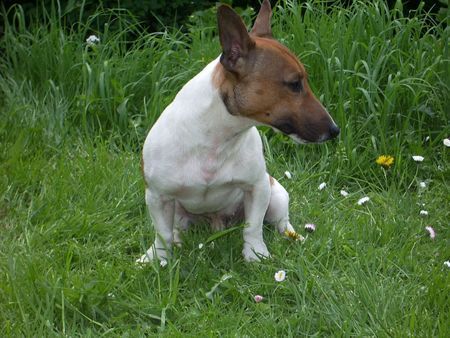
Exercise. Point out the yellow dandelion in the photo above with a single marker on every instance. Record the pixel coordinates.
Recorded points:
(294, 235)
(385, 161)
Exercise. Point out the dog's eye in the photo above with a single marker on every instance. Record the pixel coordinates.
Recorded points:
(295, 86)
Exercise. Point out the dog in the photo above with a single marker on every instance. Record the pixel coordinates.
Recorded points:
(203, 158)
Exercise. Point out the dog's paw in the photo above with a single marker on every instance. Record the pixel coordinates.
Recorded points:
(254, 253)
(151, 255)
(284, 227)
(144, 259)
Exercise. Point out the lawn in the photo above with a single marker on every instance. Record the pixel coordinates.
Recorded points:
(73, 220)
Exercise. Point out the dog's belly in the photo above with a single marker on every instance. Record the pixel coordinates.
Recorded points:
(211, 200)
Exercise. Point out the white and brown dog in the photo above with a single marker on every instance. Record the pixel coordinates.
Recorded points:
(203, 158)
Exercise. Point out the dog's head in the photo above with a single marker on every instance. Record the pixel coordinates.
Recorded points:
(261, 79)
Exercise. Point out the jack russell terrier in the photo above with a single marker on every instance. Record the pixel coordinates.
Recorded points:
(203, 158)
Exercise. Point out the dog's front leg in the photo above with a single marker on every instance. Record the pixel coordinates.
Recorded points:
(256, 201)
(162, 213)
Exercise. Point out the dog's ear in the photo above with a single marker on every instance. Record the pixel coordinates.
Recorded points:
(234, 38)
(262, 26)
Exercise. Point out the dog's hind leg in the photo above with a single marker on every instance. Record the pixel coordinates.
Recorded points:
(181, 223)
(162, 213)
(278, 210)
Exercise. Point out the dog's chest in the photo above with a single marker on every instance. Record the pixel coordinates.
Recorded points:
(214, 166)
(210, 179)
(208, 184)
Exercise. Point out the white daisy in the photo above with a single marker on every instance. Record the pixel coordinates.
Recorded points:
(163, 263)
(322, 185)
(258, 298)
(200, 246)
(92, 40)
(422, 184)
(363, 200)
(310, 227)
(447, 264)
(280, 276)
(344, 193)
(287, 174)
(418, 158)
(447, 142)
(423, 213)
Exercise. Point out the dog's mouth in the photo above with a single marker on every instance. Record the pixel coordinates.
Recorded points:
(309, 135)
(299, 140)
(294, 137)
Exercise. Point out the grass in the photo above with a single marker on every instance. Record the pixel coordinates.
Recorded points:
(72, 213)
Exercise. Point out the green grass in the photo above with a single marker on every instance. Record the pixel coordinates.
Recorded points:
(72, 214)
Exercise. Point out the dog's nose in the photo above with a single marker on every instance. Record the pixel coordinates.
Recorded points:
(334, 131)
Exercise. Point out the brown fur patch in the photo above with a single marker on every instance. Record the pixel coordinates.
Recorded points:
(218, 76)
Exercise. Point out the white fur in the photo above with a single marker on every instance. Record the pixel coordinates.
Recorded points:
(199, 160)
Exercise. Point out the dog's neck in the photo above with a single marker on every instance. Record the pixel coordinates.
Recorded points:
(210, 118)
